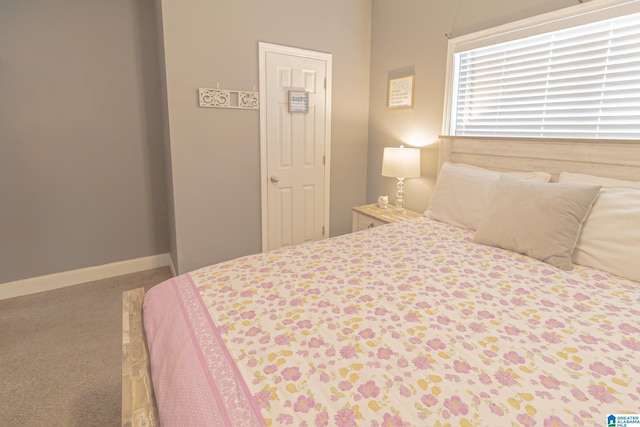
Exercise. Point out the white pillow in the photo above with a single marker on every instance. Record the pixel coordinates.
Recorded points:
(610, 238)
(543, 177)
(537, 219)
(597, 180)
(461, 194)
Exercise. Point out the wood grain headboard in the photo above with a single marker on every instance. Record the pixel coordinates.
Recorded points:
(613, 159)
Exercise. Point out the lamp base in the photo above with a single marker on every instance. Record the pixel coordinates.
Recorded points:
(400, 195)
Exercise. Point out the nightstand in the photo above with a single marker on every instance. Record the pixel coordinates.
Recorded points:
(369, 216)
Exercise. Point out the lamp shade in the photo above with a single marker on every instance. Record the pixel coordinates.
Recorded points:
(401, 162)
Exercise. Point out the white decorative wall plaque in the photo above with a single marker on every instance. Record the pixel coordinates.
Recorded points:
(217, 98)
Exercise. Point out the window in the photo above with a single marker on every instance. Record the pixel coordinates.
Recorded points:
(569, 74)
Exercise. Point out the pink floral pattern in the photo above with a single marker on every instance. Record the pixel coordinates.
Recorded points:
(412, 324)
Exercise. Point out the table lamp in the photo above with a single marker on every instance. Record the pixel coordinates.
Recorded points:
(401, 163)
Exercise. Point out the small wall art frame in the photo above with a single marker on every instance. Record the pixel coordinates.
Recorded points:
(400, 93)
(298, 101)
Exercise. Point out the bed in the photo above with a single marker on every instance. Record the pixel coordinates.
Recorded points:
(413, 323)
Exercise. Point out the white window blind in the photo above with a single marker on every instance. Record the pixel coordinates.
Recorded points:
(578, 82)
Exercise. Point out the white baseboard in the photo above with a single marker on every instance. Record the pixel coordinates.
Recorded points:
(82, 275)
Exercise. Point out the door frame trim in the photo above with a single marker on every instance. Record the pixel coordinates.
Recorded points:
(263, 49)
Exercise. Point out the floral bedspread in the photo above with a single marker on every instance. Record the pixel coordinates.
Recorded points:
(412, 324)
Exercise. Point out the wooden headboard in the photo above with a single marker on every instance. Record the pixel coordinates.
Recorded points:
(613, 159)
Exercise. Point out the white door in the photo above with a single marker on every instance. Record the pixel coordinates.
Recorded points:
(294, 145)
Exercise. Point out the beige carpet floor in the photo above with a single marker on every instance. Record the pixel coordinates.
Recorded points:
(60, 353)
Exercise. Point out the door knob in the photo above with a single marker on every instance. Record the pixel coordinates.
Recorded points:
(275, 179)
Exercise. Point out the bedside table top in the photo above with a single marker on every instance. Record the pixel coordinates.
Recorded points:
(387, 215)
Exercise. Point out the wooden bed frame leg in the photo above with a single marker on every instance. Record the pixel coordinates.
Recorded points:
(138, 401)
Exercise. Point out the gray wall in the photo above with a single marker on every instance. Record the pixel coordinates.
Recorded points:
(81, 158)
(215, 153)
(82, 181)
(408, 37)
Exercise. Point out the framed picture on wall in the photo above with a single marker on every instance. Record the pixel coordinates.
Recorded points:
(400, 93)
(298, 101)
